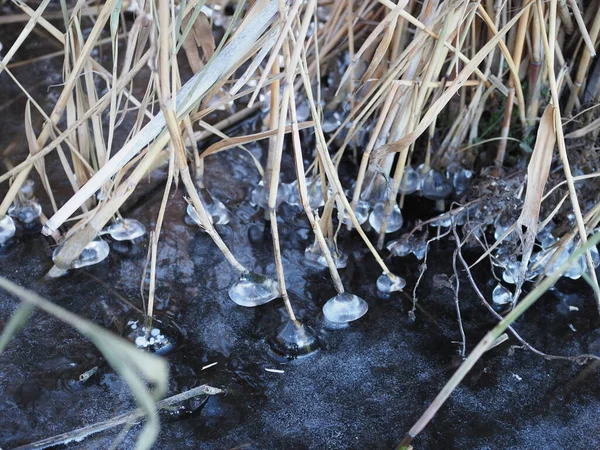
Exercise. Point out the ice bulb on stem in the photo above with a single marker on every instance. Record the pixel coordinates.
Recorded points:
(388, 283)
(344, 307)
(93, 253)
(253, 289)
(294, 340)
(394, 222)
(126, 230)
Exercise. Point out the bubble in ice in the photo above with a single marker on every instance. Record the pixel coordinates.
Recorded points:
(501, 296)
(26, 212)
(253, 289)
(314, 255)
(389, 282)
(403, 246)
(126, 230)
(93, 253)
(344, 307)
(260, 195)
(411, 181)
(7, 229)
(394, 222)
(294, 340)
(436, 186)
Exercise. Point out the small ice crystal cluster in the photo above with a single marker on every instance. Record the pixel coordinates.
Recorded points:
(155, 340)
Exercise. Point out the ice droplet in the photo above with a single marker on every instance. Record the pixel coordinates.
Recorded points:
(394, 222)
(462, 180)
(253, 289)
(7, 229)
(314, 255)
(388, 283)
(344, 307)
(436, 186)
(27, 211)
(501, 296)
(411, 181)
(403, 246)
(260, 195)
(315, 193)
(126, 230)
(93, 253)
(294, 340)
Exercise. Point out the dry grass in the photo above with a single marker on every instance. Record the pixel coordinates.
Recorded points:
(427, 82)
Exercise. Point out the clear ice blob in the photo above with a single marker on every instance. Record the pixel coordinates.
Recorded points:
(501, 226)
(253, 289)
(394, 222)
(126, 230)
(388, 283)
(7, 229)
(314, 256)
(93, 253)
(375, 189)
(444, 221)
(462, 180)
(331, 121)
(511, 272)
(545, 236)
(26, 212)
(214, 207)
(501, 296)
(436, 186)
(411, 181)
(403, 246)
(344, 307)
(260, 195)
(27, 189)
(313, 187)
(302, 111)
(294, 340)
(361, 212)
(420, 248)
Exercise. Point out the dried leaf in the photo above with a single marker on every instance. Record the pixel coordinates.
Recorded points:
(538, 170)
